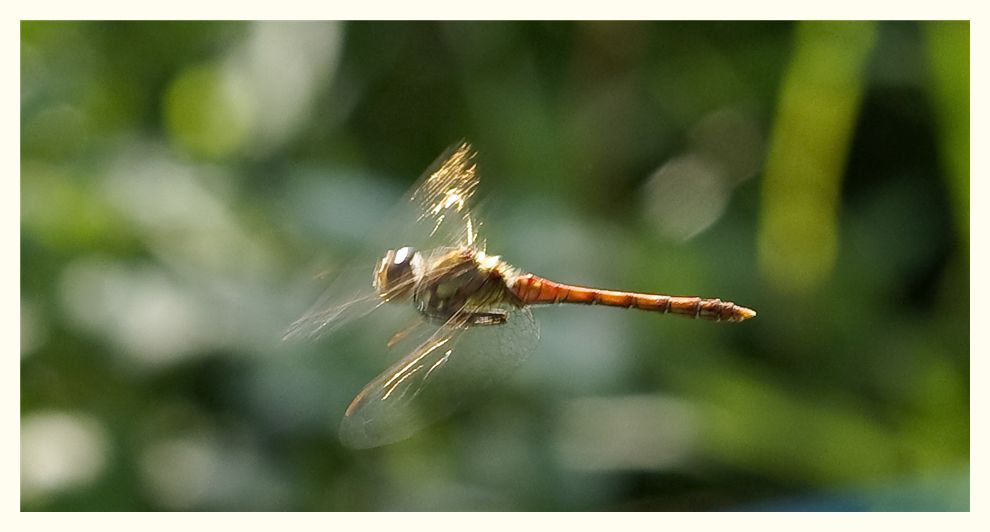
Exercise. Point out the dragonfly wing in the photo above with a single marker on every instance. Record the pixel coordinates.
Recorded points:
(452, 365)
(436, 213)
(331, 313)
(440, 210)
(444, 200)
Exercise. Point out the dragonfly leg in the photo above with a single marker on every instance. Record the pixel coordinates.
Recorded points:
(487, 318)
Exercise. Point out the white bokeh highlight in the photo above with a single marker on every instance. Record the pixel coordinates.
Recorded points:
(60, 451)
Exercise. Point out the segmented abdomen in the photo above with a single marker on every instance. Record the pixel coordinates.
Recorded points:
(535, 290)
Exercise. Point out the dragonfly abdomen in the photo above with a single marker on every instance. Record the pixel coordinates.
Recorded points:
(535, 290)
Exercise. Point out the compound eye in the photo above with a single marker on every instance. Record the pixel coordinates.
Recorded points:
(400, 268)
(396, 273)
(403, 256)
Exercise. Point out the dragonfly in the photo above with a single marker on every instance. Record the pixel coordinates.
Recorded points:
(472, 319)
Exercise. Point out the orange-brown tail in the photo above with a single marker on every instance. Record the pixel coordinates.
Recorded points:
(535, 290)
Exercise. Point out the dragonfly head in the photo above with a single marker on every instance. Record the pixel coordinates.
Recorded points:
(397, 273)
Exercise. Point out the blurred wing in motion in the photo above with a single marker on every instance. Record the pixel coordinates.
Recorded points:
(454, 364)
(436, 213)
(332, 310)
(444, 198)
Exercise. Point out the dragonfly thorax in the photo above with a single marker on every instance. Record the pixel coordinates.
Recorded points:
(397, 273)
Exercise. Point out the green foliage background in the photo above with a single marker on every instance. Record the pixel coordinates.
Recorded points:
(183, 183)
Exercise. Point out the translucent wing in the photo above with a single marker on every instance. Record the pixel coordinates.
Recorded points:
(436, 213)
(444, 200)
(335, 309)
(452, 365)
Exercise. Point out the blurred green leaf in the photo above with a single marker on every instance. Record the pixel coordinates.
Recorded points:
(207, 111)
(948, 55)
(808, 146)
